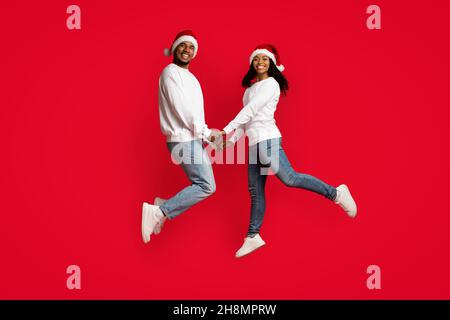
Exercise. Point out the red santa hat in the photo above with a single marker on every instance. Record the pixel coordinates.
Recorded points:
(270, 51)
(183, 36)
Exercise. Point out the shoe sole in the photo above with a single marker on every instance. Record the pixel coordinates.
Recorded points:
(144, 221)
(344, 186)
(351, 197)
(244, 255)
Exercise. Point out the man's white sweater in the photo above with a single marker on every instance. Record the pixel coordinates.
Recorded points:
(181, 113)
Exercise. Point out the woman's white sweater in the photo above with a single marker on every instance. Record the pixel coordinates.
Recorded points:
(256, 118)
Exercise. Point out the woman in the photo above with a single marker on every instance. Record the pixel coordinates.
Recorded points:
(264, 82)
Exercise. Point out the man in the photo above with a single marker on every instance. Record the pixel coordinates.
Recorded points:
(182, 121)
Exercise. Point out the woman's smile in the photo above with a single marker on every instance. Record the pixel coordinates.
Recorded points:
(261, 64)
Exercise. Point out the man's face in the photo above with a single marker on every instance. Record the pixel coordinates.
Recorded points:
(183, 53)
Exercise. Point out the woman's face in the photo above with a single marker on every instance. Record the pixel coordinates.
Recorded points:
(261, 64)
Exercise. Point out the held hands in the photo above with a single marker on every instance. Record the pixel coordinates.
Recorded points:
(217, 140)
(215, 137)
(226, 144)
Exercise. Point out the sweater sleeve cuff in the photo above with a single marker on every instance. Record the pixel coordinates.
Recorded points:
(234, 139)
(207, 132)
(228, 129)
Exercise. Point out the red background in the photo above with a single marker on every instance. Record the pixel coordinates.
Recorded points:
(82, 149)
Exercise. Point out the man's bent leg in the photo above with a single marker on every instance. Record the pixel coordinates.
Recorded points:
(198, 169)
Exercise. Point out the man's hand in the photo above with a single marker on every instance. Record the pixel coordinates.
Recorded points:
(216, 136)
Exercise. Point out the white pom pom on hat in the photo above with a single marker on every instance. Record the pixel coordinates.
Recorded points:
(183, 36)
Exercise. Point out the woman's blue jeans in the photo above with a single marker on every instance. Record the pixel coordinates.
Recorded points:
(269, 154)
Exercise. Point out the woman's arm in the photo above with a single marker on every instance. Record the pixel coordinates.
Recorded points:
(237, 134)
(268, 91)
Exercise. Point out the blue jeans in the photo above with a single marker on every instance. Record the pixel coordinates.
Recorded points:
(195, 162)
(269, 154)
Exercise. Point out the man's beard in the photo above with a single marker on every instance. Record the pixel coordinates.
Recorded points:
(180, 62)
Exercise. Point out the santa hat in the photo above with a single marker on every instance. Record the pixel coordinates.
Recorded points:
(183, 36)
(270, 51)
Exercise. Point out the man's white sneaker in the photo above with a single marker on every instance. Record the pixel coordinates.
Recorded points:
(250, 245)
(151, 215)
(158, 202)
(345, 200)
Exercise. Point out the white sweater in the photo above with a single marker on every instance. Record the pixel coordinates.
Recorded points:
(257, 116)
(181, 113)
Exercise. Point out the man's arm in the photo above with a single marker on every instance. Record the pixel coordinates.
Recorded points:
(172, 91)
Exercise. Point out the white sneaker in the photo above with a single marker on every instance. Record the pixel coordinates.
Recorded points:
(150, 219)
(345, 200)
(250, 245)
(158, 202)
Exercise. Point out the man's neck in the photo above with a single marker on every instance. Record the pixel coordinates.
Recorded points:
(184, 66)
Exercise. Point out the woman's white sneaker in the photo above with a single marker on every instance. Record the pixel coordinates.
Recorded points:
(151, 215)
(250, 245)
(158, 202)
(345, 200)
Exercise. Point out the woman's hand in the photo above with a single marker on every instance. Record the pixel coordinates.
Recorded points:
(216, 136)
(222, 145)
(227, 144)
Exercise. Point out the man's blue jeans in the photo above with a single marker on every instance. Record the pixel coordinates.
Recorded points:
(269, 154)
(195, 162)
